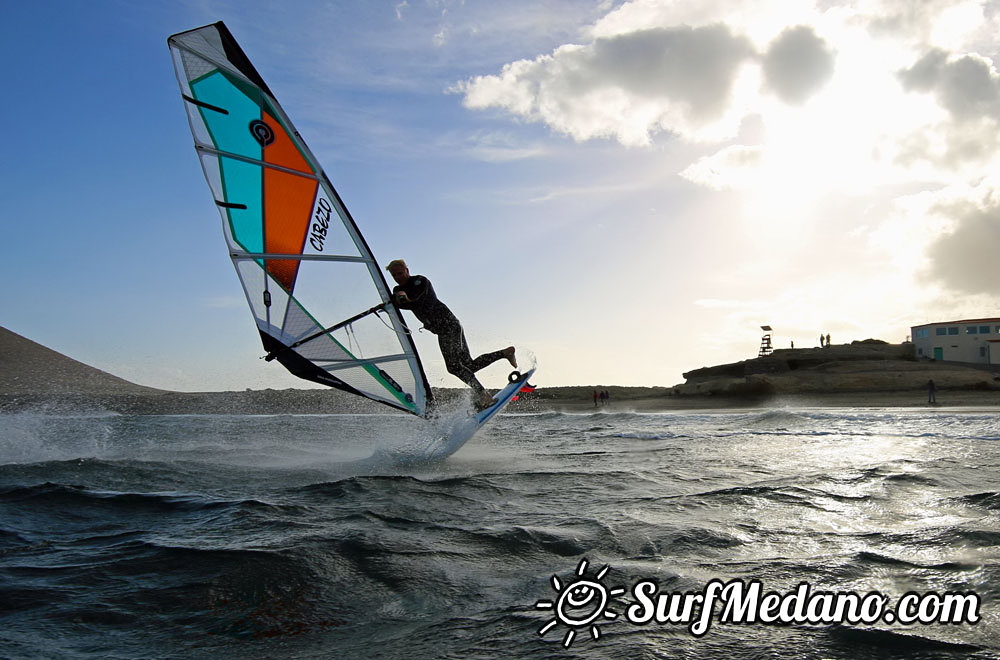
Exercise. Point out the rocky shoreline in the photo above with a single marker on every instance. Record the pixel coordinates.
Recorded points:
(860, 367)
(866, 374)
(643, 400)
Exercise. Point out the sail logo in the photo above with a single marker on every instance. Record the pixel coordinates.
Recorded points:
(261, 132)
(321, 224)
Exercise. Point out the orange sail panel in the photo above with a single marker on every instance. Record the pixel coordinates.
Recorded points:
(282, 150)
(288, 203)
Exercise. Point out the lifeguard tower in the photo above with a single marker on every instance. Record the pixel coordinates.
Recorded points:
(765, 342)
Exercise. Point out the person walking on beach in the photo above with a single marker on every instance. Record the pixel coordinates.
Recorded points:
(415, 293)
(931, 392)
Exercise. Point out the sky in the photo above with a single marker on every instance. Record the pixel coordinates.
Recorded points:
(623, 190)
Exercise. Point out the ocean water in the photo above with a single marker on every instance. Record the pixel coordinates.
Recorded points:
(229, 536)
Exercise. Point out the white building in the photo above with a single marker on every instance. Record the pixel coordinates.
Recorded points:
(972, 340)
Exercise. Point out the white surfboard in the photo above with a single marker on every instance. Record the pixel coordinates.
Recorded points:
(457, 432)
(464, 429)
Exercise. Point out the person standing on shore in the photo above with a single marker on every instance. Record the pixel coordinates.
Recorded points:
(415, 293)
(931, 392)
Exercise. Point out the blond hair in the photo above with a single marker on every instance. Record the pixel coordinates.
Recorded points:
(396, 263)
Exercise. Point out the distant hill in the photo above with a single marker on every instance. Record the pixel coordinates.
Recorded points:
(861, 366)
(28, 368)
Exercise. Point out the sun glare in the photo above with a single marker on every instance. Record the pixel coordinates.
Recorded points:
(843, 140)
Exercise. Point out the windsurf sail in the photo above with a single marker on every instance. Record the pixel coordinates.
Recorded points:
(318, 296)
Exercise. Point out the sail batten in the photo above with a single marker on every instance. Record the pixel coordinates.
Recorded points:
(301, 260)
(300, 257)
(350, 364)
(207, 106)
(261, 163)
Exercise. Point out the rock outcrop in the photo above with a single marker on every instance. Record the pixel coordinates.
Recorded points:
(868, 366)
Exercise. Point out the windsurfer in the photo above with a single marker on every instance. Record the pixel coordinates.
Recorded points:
(415, 293)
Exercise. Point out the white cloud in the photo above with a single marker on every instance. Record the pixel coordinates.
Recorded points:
(797, 64)
(967, 86)
(729, 168)
(956, 25)
(697, 70)
(760, 21)
(965, 139)
(679, 79)
(964, 259)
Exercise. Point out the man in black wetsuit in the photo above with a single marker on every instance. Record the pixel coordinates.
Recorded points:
(415, 293)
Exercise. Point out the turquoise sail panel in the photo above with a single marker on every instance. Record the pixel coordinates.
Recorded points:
(228, 130)
(241, 181)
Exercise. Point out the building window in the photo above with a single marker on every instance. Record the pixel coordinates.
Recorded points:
(984, 329)
(971, 330)
(940, 332)
(923, 333)
(953, 331)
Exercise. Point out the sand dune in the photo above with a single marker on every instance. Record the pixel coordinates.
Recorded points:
(28, 368)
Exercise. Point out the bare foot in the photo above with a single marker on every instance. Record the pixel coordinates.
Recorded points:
(509, 354)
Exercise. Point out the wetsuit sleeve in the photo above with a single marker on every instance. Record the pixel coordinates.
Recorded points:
(420, 288)
(419, 291)
(395, 298)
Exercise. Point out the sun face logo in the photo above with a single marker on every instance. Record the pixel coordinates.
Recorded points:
(580, 604)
